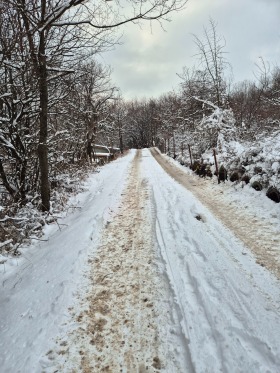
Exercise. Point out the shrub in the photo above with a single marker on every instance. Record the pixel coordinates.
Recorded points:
(195, 166)
(257, 186)
(234, 176)
(273, 194)
(208, 172)
(222, 173)
(246, 179)
(257, 170)
(202, 170)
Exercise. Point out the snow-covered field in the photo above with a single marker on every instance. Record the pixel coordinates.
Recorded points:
(149, 271)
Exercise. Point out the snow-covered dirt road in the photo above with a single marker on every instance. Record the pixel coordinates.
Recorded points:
(142, 279)
(258, 227)
(129, 303)
(230, 305)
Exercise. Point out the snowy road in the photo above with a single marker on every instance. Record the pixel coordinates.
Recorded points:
(229, 304)
(143, 279)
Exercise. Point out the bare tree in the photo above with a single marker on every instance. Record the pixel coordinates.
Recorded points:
(251, 100)
(211, 54)
(119, 115)
(44, 21)
(18, 108)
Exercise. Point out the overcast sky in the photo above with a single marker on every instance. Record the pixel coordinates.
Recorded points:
(145, 65)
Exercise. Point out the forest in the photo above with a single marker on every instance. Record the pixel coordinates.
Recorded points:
(57, 102)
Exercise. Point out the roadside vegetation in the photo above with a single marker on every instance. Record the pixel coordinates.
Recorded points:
(57, 102)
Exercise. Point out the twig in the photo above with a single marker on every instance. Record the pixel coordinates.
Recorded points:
(5, 243)
(10, 218)
(103, 278)
(38, 239)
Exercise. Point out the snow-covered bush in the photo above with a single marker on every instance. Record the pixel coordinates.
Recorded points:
(255, 161)
(216, 129)
(18, 224)
(260, 160)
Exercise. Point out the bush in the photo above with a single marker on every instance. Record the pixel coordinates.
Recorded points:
(195, 166)
(222, 173)
(257, 170)
(257, 186)
(234, 176)
(273, 194)
(246, 179)
(202, 170)
(208, 172)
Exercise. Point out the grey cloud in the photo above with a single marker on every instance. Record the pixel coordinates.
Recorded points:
(146, 64)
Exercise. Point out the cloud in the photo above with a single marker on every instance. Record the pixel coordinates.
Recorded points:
(147, 62)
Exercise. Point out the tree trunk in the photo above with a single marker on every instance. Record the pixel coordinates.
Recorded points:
(216, 165)
(5, 182)
(190, 152)
(121, 140)
(43, 134)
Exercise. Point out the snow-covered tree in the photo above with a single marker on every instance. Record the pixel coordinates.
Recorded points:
(54, 31)
(19, 109)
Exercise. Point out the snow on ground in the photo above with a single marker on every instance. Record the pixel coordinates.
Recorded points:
(229, 304)
(164, 286)
(128, 319)
(253, 217)
(38, 288)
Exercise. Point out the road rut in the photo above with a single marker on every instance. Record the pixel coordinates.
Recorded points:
(128, 322)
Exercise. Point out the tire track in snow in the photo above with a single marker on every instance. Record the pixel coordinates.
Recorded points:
(231, 323)
(261, 238)
(168, 271)
(195, 303)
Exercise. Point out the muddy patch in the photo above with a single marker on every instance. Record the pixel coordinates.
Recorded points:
(118, 326)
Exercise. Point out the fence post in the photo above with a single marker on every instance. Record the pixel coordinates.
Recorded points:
(216, 165)
(190, 155)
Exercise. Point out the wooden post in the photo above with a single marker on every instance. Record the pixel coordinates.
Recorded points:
(190, 155)
(182, 149)
(164, 146)
(168, 145)
(174, 146)
(216, 165)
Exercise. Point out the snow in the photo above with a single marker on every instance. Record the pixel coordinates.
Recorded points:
(9, 145)
(38, 288)
(215, 308)
(126, 301)
(99, 154)
(3, 119)
(253, 217)
(2, 244)
(3, 259)
(8, 94)
(252, 154)
(229, 305)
